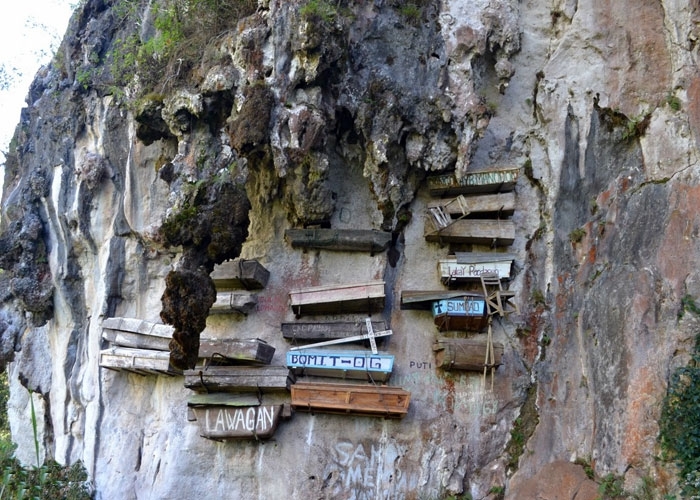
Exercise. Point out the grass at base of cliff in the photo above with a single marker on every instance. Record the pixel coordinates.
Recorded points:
(50, 481)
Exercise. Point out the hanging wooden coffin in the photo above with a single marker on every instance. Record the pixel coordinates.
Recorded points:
(466, 313)
(240, 273)
(486, 181)
(365, 399)
(229, 416)
(328, 330)
(137, 333)
(237, 350)
(239, 378)
(361, 365)
(141, 361)
(473, 231)
(338, 299)
(346, 240)
(423, 299)
(465, 354)
(501, 204)
(471, 265)
(234, 302)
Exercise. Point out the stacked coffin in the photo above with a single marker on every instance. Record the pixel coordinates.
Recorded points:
(239, 395)
(137, 346)
(234, 281)
(480, 213)
(316, 360)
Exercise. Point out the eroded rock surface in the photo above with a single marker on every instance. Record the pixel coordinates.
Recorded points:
(335, 116)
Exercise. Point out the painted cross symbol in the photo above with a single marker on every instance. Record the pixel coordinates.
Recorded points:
(371, 335)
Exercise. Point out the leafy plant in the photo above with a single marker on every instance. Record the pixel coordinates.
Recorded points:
(611, 486)
(181, 29)
(673, 102)
(497, 491)
(587, 466)
(679, 425)
(523, 427)
(49, 481)
(319, 10)
(411, 12)
(577, 235)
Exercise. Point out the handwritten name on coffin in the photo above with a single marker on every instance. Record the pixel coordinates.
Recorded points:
(340, 361)
(223, 421)
(459, 307)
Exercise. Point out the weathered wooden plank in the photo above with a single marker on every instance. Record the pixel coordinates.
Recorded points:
(328, 330)
(501, 203)
(361, 365)
(135, 340)
(368, 399)
(358, 297)
(423, 299)
(459, 268)
(239, 378)
(234, 302)
(137, 360)
(226, 422)
(473, 231)
(240, 350)
(136, 333)
(468, 313)
(465, 354)
(240, 273)
(223, 399)
(486, 181)
(345, 240)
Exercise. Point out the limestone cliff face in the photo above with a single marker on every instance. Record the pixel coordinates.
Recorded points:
(296, 117)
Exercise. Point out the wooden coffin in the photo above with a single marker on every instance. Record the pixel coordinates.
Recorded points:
(223, 416)
(137, 333)
(234, 302)
(240, 273)
(338, 299)
(237, 350)
(365, 399)
(423, 299)
(361, 365)
(502, 204)
(141, 361)
(471, 265)
(465, 354)
(345, 240)
(486, 181)
(238, 378)
(466, 313)
(328, 330)
(473, 231)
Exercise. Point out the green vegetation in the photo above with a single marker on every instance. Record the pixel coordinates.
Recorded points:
(498, 492)
(611, 486)
(673, 102)
(577, 235)
(50, 481)
(679, 425)
(523, 427)
(587, 467)
(181, 29)
(319, 10)
(411, 12)
(537, 297)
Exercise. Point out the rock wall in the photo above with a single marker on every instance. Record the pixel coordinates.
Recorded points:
(295, 119)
